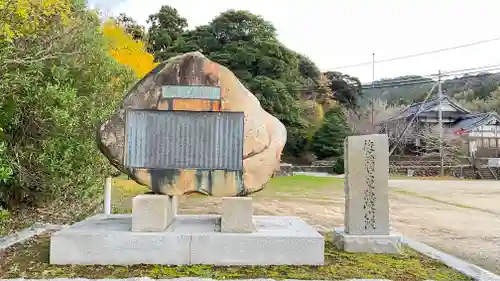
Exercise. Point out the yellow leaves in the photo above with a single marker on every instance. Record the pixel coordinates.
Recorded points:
(314, 112)
(6, 31)
(20, 18)
(127, 51)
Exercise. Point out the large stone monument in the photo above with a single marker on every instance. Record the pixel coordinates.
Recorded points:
(366, 220)
(190, 126)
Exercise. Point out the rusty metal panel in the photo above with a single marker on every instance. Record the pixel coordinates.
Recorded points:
(196, 104)
(184, 140)
(191, 92)
(189, 104)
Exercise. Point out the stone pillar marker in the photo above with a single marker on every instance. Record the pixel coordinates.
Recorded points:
(366, 219)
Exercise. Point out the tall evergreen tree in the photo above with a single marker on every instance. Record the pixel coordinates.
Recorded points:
(328, 141)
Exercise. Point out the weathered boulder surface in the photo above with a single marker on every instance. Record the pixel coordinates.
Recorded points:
(264, 135)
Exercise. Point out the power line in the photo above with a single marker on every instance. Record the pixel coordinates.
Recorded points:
(420, 82)
(370, 98)
(419, 54)
(464, 71)
(390, 84)
(429, 78)
(421, 79)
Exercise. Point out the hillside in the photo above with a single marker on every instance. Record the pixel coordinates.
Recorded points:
(407, 89)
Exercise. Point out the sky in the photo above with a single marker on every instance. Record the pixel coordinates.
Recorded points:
(335, 33)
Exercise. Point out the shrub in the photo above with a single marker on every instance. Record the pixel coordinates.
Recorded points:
(338, 167)
(56, 85)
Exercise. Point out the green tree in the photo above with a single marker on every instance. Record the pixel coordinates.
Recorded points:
(345, 89)
(247, 44)
(315, 87)
(328, 141)
(308, 68)
(53, 94)
(167, 26)
(232, 26)
(136, 30)
(276, 99)
(477, 104)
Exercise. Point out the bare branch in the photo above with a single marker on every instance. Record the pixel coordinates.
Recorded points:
(361, 121)
(56, 40)
(31, 60)
(430, 143)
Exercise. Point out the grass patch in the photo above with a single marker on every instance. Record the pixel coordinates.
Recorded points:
(123, 190)
(299, 185)
(30, 260)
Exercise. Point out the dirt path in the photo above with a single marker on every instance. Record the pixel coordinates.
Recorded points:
(459, 217)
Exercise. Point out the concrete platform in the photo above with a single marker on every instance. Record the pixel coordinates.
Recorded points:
(376, 244)
(190, 239)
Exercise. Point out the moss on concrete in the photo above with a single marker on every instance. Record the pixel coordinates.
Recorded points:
(30, 260)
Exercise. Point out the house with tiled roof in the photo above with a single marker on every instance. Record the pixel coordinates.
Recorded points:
(479, 131)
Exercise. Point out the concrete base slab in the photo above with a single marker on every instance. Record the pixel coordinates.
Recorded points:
(377, 244)
(190, 239)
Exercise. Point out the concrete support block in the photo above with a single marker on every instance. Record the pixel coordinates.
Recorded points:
(237, 215)
(376, 244)
(151, 213)
(175, 205)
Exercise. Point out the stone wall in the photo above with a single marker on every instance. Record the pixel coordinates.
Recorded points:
(289, 169)
(284, 170)
(314, 169)
(431, 171)
(323, 163)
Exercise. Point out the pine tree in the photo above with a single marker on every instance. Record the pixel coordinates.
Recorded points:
(328, 141)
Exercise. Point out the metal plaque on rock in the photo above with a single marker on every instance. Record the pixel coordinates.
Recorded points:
(191, 92)
(184, 140)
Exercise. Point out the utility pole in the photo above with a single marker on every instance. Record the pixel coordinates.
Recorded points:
(373, 84)
(373, 69)
(408, 125)
(441, 129)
